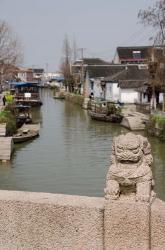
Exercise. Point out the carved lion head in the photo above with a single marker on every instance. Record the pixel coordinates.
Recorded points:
(131, 149)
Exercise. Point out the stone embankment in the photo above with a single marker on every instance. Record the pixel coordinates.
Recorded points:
(74, 98)
(6, 143)
(6, 148)
(129, 217)
(134, 120)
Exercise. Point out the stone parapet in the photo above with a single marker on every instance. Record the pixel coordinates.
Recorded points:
(157, 225)
(53, 221)
(42, 221)
(130, 217)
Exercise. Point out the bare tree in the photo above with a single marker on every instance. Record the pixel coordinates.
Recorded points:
(155, 17)
(74, 50)
(10, 52)
(66, 64)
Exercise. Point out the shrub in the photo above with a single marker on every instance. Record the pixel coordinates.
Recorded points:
(9, 99)
(156, 126)
(158, 118)
(113, 109)
(7, 117)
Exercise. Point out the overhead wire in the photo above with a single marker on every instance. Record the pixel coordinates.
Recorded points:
(135, 38)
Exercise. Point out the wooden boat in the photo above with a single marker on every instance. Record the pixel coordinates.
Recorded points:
(105, 111)
(26, 132)
(59, 97)
(23, 115)
(106, 118)
(24, 136)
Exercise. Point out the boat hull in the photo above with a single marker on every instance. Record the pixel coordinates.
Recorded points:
(25, 137)
(106, 118)
(32, 103)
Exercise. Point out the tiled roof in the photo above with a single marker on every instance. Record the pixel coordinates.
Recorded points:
(92, 61)
(131, 76)
(127, 52)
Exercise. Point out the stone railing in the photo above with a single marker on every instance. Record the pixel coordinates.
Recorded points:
(130, 216)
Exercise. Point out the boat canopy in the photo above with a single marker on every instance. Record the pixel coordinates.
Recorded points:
(57, 78)
(23, 84)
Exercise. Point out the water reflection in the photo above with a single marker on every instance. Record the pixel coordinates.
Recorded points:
(71, 155)
(158, 149)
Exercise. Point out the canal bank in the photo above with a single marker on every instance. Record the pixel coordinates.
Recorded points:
(74, 98)
(71, 155)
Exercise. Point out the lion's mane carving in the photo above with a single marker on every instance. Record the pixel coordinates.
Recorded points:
(131, 160)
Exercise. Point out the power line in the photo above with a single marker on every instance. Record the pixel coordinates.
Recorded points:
(133, 36)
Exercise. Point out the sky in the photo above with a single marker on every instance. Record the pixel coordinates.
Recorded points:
(99, 26)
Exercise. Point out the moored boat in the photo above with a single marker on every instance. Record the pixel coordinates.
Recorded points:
(115, 118)
(26, 93)
(24, 136)
(59, 95)
(23, 115)
(26, 132)
(105, 111)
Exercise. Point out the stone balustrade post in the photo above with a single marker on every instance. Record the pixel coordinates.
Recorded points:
(126, 225)
(128, 195)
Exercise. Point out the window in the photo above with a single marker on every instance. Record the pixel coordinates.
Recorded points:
(137, 55)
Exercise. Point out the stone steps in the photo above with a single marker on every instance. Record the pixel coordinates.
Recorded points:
(3, 129)
(6, 148)
(133, 123)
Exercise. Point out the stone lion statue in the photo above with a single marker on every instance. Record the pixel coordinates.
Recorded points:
(131, 160)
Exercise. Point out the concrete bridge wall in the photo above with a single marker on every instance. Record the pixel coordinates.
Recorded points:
(53, 221)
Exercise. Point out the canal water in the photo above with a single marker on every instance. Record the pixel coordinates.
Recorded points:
(71, 155)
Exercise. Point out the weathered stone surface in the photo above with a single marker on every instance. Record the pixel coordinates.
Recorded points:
(158, 225)
(134, 120)
(6, 148)
(3, 129)
(126, 225)
(130, 168)
(128, 194)
(50, 221)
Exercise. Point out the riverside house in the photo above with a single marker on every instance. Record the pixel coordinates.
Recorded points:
(126, 80)
(132, 55)
(130, 85)
(126, 83)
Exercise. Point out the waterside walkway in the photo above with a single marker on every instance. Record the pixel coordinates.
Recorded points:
(1, 102)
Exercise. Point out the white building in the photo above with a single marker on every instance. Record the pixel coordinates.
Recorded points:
(126, 83)
(54, 79)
